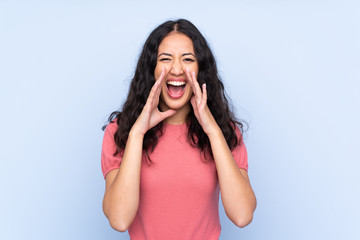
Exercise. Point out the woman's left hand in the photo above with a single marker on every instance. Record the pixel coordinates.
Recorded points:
(199, 104)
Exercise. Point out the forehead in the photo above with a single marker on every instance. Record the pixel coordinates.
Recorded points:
(176, 43)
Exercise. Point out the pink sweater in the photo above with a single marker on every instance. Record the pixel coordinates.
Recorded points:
(179, 193)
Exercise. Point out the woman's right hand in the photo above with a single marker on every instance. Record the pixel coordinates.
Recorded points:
(122, 193)
(151, 115)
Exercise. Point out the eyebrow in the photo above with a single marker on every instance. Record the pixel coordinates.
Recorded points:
(168, 54)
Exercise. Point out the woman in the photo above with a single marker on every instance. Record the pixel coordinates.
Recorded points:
(175, 144)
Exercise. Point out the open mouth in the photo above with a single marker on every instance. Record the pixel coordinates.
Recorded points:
(175, 89)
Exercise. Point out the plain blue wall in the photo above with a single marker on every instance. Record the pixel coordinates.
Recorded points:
(290, 67)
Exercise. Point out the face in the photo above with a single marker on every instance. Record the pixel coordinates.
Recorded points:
(176, 53)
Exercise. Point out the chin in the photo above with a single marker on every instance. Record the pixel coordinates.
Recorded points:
(175, 104)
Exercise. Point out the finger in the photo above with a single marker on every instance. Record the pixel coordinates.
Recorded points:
(204, 94)
(193, 103)
(193, 83)
(152, 92)
(156, 89)
(197, 88)
(195, 107)
(188, 75)
(167, 114)
(162, 75)
(160, 81)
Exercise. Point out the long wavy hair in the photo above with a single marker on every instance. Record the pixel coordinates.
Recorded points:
(144, 79)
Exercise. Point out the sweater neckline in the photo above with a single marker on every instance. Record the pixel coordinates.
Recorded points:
(175, 126)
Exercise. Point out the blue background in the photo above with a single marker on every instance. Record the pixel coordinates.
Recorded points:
(291, 68)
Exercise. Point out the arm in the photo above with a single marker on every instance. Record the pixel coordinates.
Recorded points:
(237, 195)
(121, 199)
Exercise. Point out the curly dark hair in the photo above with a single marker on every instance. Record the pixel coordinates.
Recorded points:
(144, 79)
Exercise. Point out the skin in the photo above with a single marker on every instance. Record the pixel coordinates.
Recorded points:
(121, 199)
(176, 54)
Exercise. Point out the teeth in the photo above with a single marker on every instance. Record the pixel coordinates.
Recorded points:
(176, 83)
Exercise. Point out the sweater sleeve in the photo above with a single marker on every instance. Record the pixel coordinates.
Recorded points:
(239, 152)
(108, 160)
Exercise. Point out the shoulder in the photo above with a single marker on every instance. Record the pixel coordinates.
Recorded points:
(238, 130)
(112, 127)
(109, 160)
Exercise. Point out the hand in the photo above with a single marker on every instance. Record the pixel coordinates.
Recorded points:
(199, 104)
(150, 115)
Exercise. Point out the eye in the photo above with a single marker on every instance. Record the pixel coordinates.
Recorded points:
(164, 59)
(189, 60)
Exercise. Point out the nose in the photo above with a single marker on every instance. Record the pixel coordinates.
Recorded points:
(176, 68)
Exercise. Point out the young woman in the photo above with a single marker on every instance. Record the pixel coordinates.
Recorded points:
(175, 145)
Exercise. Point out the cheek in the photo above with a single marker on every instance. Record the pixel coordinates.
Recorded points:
(156, 74)
(157, 71)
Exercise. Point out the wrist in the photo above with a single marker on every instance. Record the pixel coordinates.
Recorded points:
(134, 132)
(215, 132)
